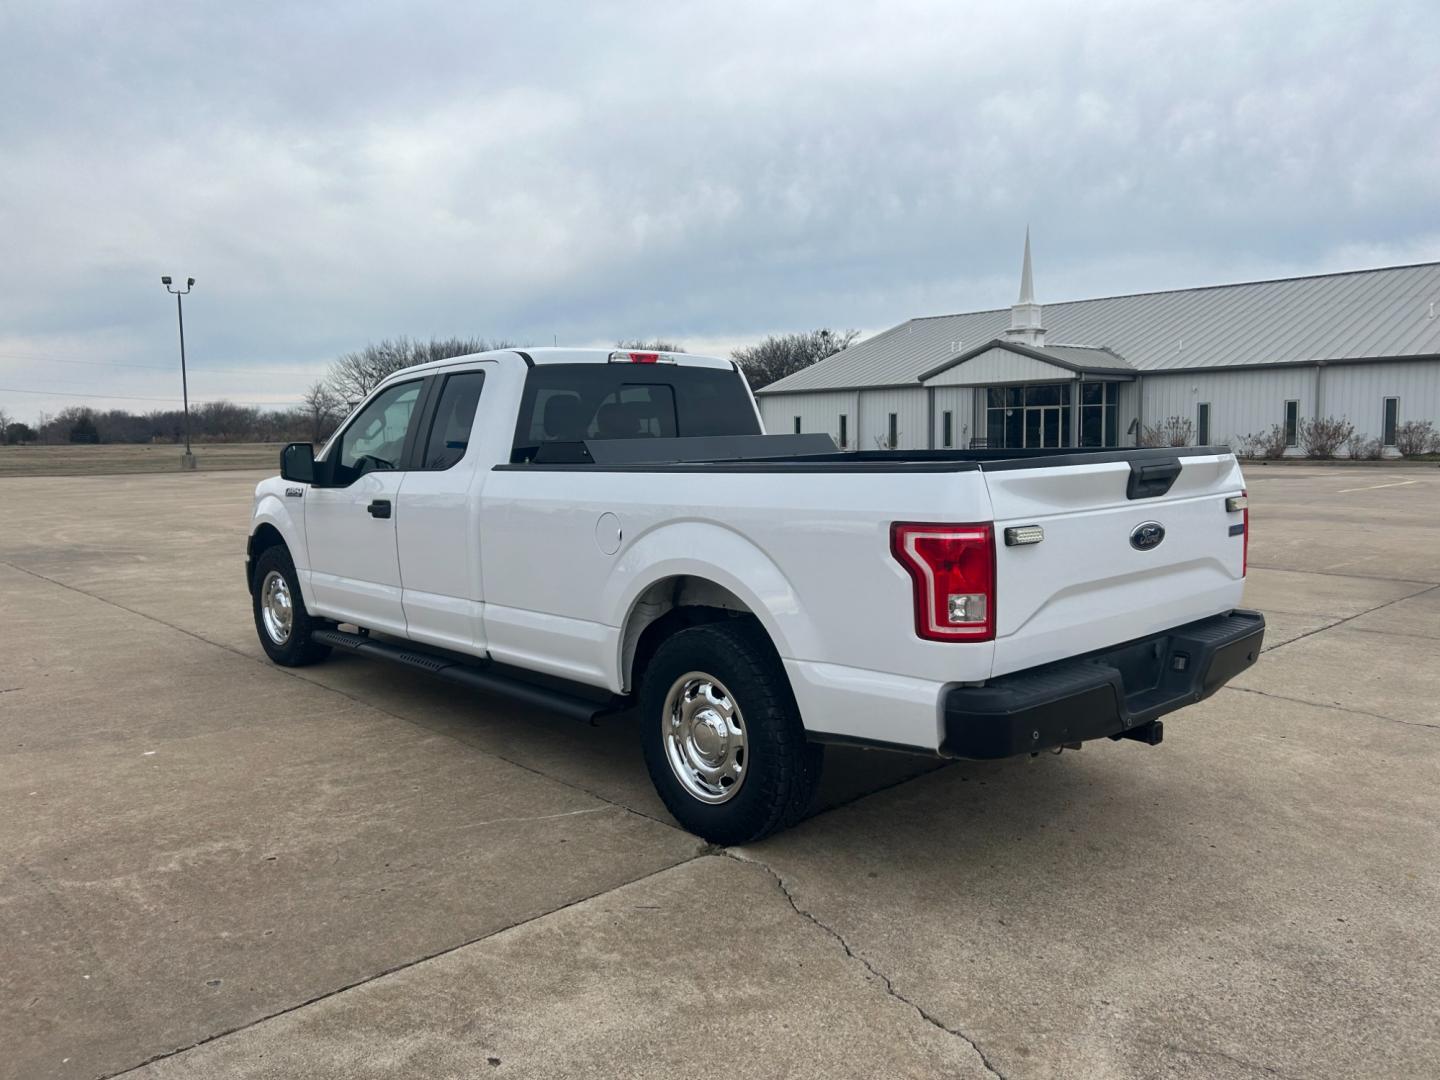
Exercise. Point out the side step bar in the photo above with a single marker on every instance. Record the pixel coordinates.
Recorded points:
(477, 675)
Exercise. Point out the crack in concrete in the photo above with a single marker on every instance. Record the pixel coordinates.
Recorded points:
(1331, 705)
(1253, 1066)
(884, 979)
(541, 817)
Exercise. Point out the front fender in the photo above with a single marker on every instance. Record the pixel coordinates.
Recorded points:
(719, 554)
(282, 513)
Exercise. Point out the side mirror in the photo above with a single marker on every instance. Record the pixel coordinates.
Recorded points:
(297, 463)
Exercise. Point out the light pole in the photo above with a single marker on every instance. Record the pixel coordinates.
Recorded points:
(188, 461)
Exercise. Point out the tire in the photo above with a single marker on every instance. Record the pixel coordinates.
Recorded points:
(715, 704)
(293, 648)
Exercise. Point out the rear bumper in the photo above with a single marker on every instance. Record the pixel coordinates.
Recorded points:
(1106, 693)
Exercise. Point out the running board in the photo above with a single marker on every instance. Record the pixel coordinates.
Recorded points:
(475, 675)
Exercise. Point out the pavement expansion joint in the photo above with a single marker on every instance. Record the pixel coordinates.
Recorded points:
(877, 973)
(1350, 618)
(1331, 705)
(393, 969)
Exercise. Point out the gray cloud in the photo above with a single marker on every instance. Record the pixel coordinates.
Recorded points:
(334, 173)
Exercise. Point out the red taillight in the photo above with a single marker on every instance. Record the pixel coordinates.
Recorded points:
(952, 568)
(1245, 553)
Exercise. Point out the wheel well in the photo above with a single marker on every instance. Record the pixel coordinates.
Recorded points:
(670, 605)
(261, 540)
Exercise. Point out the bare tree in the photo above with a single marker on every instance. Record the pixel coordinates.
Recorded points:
(5, 421)
(355, 374)
(322, 410)
(780, 355)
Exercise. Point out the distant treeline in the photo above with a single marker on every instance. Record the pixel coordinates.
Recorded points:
(350, 378)
(216, 421)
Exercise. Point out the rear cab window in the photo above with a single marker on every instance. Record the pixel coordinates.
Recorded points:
(569, 403)
(454, 417)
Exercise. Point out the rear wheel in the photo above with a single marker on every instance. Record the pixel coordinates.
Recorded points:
(281, 620)
(722, 736)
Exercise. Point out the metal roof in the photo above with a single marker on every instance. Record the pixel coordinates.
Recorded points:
(1362, 314)
(1072, 357)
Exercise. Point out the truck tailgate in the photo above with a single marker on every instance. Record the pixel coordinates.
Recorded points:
(1086, 586)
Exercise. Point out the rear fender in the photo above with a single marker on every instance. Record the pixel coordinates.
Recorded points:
(714, 553)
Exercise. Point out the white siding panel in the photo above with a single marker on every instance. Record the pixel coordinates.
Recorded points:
(1358, 392)
(959, 401)
(819, 413)
(1125, 403)
(1241, 402)
(995, 367)
(911, 409)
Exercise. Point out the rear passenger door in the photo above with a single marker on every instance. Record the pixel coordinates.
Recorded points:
(438, 523)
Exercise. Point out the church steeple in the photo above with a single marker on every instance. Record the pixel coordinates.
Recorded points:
(1025, 324)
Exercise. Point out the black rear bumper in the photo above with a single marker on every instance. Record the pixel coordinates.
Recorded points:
(1113, 692)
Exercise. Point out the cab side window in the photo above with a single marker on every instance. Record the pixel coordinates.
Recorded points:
(376, 438)
(454, 417)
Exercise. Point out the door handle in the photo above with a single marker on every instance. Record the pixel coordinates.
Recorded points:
(379, 508)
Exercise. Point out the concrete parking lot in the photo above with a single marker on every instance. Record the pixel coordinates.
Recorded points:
(211, 867)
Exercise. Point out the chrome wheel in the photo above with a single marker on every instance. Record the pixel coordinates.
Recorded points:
(704, 737)
(275, 610)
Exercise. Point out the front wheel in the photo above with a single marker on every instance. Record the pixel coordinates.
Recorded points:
(722, 736)
(280, 617)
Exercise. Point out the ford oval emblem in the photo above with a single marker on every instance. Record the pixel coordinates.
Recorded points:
(1147, 535)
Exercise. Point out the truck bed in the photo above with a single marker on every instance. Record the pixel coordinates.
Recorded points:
(818, 453)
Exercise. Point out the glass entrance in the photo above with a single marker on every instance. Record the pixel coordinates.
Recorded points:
(1028, 417)
(1039, 416)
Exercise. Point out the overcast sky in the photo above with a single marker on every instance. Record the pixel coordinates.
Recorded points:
(335, 173)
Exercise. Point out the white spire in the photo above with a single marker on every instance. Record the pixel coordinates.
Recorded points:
(1025, 324)
(1027, 282)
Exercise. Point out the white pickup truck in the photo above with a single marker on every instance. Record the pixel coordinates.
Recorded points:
(586, 530)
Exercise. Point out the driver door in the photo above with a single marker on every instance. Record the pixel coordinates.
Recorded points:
(350, 524)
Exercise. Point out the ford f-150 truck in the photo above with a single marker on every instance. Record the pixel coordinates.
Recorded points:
(588, 531)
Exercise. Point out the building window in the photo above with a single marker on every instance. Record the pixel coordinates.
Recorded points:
(797, 425)
(947, 429)
(1292, 423)
(844, 431)
(1099, 413)
(893, 431)
(1202, 423)
(1392, 420)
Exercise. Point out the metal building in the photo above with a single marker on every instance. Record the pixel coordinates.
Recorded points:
(1232, 360)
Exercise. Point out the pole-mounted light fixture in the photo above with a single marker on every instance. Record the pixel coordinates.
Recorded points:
(188, 461)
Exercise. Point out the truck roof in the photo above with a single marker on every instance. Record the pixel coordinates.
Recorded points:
(550, 355)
